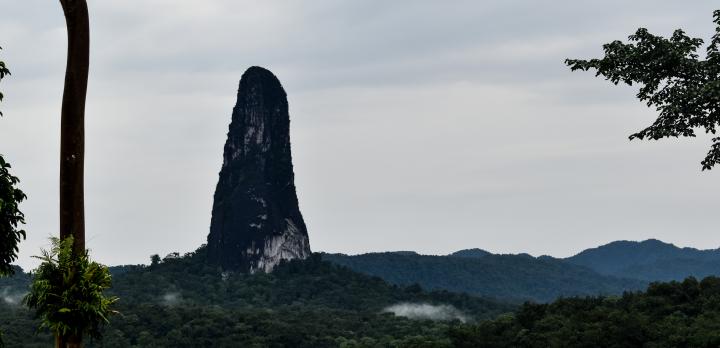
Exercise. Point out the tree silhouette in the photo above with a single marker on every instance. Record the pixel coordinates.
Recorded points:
(10, 215)
(683, 88)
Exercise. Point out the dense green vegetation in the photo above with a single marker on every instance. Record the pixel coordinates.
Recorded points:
(214, 326)
(11, 218)
(184, 302)
(311, 282)
(675, 314)
(509, 277)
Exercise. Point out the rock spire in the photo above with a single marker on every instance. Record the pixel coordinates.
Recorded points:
(256, 221)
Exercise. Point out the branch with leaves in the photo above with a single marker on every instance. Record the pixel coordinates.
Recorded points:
(10, 218)
(3, 72)
(10, 215)
(684, 89)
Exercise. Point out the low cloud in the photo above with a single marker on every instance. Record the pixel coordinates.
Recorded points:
(171, 298)
(424, 311)
(11, 297)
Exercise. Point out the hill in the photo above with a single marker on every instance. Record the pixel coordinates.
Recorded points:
(471, 253)
(509, 277)
(184, 302)
(650, 260)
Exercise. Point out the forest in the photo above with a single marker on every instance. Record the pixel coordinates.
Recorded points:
(672, 314)
(182, 301)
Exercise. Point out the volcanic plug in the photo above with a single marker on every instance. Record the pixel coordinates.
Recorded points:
(256, 221)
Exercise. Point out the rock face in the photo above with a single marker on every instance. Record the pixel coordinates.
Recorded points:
(256, 221)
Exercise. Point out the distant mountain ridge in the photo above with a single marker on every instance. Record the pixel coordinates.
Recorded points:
(650, 260)
(605, 270)
(608, 269)
(508, 277)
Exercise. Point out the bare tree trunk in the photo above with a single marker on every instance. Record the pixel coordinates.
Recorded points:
(72, 128)
(72, 135)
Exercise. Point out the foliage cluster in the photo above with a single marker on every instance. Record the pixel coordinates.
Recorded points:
(4, 71)
(683, 88)
(67, 291)
(10, 215)
(10, 218)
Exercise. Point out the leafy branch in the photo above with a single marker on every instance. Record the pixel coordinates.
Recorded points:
(684, 89)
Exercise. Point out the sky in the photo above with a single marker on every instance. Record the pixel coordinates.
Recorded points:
(416, 125)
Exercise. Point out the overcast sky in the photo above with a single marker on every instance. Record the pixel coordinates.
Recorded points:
(416, 125)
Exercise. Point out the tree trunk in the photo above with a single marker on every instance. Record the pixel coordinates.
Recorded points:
(72, 127)
(68, 341)
(72, 136)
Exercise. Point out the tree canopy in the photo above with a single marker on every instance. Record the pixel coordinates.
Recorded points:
(10, 218)
(10, 215)
(186, 301)
(674, 314)
(682, 87)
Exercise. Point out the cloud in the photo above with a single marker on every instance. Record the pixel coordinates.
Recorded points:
(171, 298)
(424, 311)
(11, 297)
